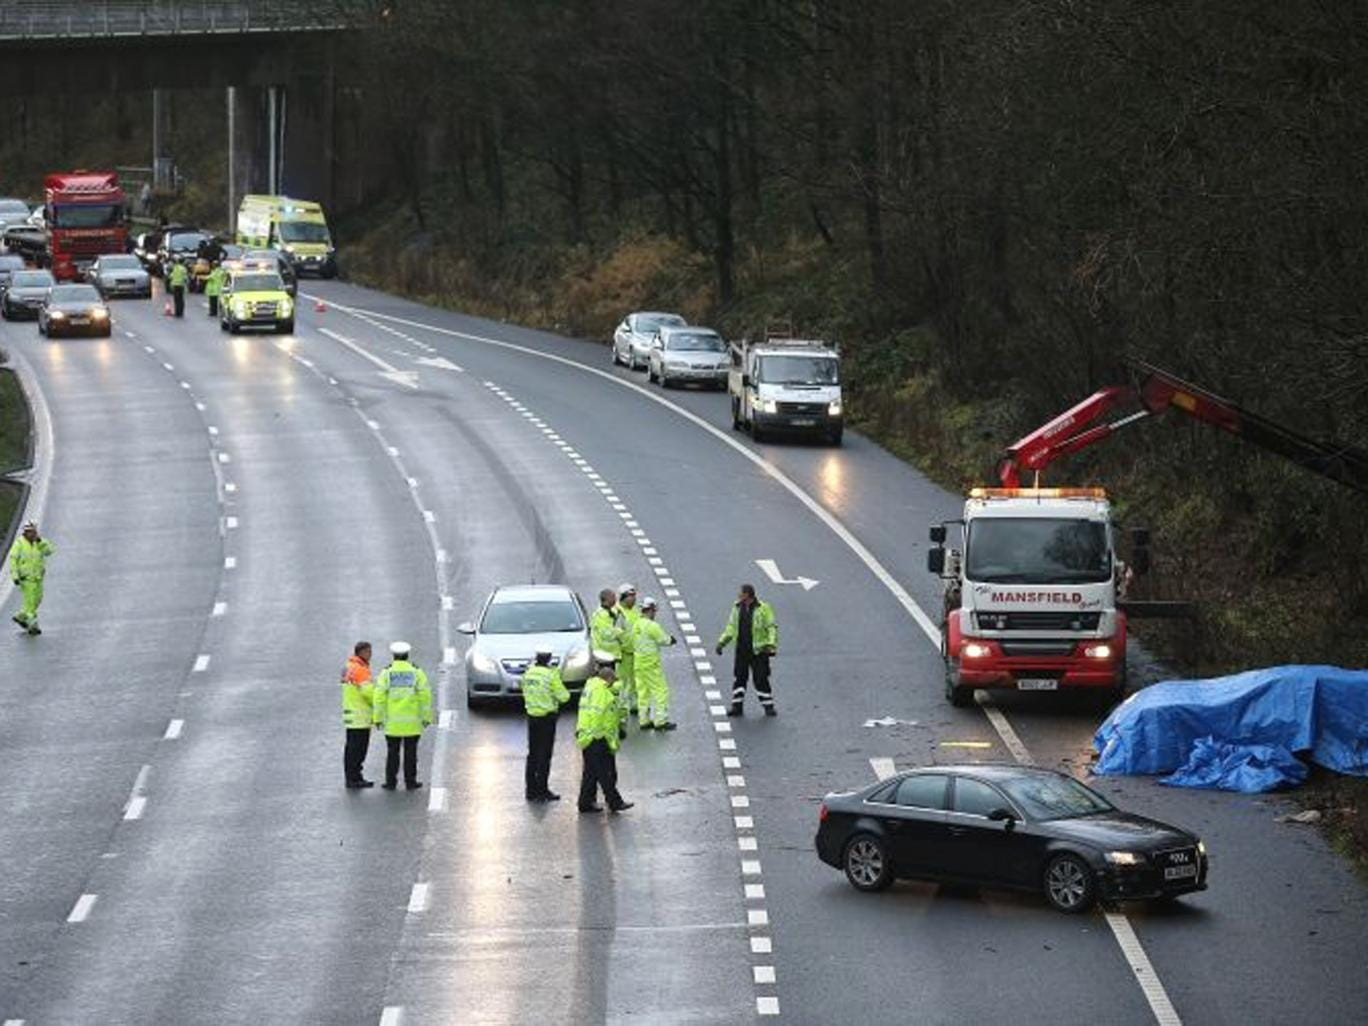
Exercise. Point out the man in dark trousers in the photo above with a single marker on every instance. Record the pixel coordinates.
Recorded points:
(402, 704)
(543, 694)
(751, 625)
(598, 732)
(357, 714)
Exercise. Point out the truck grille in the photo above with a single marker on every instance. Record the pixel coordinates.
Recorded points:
(1052, 620)
(811, 409)
(1037, 648)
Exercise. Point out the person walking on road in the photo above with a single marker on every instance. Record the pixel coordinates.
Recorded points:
(598, 734)
(28, 567)
(753, 628)
(357, 710)
(543, 694)
(626, 615)
(213, 288)
(403, 707)
(653, 690)
(177, 281)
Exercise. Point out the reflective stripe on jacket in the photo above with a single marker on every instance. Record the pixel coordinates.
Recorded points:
(542, 690)
(604, 633)
(646, 641)
(28, 560)
(764, 629)
(357, 693)
(403, 703)
(213, 285)
(179, 276)
(598, 715)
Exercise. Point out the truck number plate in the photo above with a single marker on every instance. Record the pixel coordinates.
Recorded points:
(1037, 684)
(803, 422)
(1179, 872)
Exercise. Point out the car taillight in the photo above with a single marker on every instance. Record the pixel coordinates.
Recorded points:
(822, 813)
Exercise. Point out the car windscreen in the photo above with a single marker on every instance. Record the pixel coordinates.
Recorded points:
(11, 262)
(87, 215)
(9, 209)
(798, 370)
(532, 617)
(74, 294)
(302, 231)
(649, 324)
(1043, 550)
(186, 240)
(31, 279)
(120, 263)
(257, 283)
(1042, 796)
(695, 342)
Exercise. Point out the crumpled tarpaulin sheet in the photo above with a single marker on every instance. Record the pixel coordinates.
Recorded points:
(1238, 732)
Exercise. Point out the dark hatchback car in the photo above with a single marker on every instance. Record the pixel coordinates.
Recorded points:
(25, 295)
(74, 310)
(9, 263)
(1006, 826)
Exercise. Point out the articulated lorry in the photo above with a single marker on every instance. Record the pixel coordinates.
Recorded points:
(1034, 591)
(85, 216)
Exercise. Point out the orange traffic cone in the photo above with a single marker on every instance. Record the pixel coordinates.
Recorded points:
(320, 307)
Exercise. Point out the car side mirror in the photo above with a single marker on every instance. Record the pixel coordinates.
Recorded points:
(937, 533)
(935, 561)
(1003, 816)
(465, 628)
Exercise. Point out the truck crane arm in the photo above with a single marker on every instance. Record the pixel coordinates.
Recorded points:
(1157, 392)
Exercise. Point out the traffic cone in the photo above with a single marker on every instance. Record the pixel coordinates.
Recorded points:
(166, 310)
(320, 307)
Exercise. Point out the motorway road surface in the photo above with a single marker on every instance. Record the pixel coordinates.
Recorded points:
(230, 514)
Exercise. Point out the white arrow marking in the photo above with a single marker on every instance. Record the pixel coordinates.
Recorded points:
(771, 569)
(440, 362)
(409, 379)
(889, 721)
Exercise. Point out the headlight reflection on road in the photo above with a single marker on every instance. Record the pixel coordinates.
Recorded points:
(241, 349)
(103, 351)
(831, 474)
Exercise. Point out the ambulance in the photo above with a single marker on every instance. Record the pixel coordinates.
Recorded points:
(297, 228)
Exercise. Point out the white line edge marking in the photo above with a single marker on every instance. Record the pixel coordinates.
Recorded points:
(173, 730)
(437, 799)
(201, 663)
(418, 898)
(81, 910)
(1164, 1012)
(136, 804)
(392, 1015)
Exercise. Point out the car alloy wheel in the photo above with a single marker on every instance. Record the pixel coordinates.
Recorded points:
(866, 864)
(1068, 884)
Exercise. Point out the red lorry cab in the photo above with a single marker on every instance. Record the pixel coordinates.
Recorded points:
(86, 216)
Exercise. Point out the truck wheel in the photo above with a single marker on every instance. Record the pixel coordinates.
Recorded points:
(956, 693)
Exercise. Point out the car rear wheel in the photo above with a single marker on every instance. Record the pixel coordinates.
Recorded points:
(866, 863)
(1069, 885)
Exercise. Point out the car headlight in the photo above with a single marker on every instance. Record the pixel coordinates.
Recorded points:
(239, 308)
(289, 249)
(1201, 847)
(1124, 858)
(56, 315)
(287, 306)
(834, 408)
(100, 314)
(975, 650)
(481, 663)
(767, 405)
(675, 365)
(1097, 651)
(576, 661)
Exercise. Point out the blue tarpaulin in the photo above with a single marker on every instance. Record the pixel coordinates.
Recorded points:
(1239, 732)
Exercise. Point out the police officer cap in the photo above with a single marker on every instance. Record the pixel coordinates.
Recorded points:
(649, 603)
(400, 648)
(604, 658)
(544, 653)
(626, 588)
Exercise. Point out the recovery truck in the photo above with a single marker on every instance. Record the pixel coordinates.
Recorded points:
(783, 383)
(1034, 595)
(87, 215)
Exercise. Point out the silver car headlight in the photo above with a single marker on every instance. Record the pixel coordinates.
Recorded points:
(481, 663)
(576, 661)
(767, 405)
(834, 408)
(1124, 858)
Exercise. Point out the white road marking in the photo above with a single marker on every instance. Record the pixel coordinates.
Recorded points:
(449, 654)
(185, 384)
(437, 799)
(707, 680)
(722, 727)
(757, 917)
(767, 1005)
(744, 822)
(201, 663)
(429, 516)
(392, 1015)
(229, 562)
(200, 406)
(771, 569)
(1009, 736)
(229, 486)
(168, 366)
(374, 425)
(213, 430)
(731, 762)
(441, 555)
(717, 710)
(883, 767)
(223, 457)
(755, 892)
(736, 780)
(761, 945)
(409, 379)
(740, 801)
(231, 523)
(14, 1022)
(418, 898)
(750, 867)
(763, 973)
(444, 719)
(81, 910)
(747, 843)
(727, 744)
(1164, 1012)
(135, 807)
(220, 608)
(448, 602)
(173, 730)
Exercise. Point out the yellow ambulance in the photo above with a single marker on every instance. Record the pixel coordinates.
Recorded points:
(295, 227)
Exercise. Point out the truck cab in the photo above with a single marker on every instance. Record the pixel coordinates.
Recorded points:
(786, 384)
(1030, 595)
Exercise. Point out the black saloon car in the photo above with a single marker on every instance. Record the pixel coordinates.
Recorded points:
(74, 310)
(25, 295)
(1006, 826)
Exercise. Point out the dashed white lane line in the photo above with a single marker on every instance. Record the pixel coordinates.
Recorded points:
(14, 1022)
(220, 608)
(229, 486)
(230, 523)
(883, 767)
(81, 910)
(437, 798)
(449, 655)
(229, 562)
(134, 809)
(393, 1015)
(201, 663)
(173, 730)
(1164, 1012)
(761, 946)
(1009, 736)
(767, 1006)
(444, 719)
(763, 973)
(418, 898)
(223, 457)
(757, 917)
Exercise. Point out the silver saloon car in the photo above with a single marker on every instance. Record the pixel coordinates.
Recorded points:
(120, 274)
(514, 625)
(633, 337)
(682, 356)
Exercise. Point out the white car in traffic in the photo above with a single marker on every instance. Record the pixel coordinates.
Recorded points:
(633, 337)
(685, 355)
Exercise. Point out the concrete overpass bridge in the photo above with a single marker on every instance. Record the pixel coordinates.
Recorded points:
(275, 60)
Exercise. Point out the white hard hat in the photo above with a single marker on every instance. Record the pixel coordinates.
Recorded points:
(626, 588)
(400, 648)
(649, 603)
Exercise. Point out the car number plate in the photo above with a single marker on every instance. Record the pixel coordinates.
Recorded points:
(803, 422)
(80, 320)
(1037, 684)
(1179, 872)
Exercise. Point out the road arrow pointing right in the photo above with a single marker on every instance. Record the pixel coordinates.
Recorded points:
(440, 362)
(409, 379)
(771, 569)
